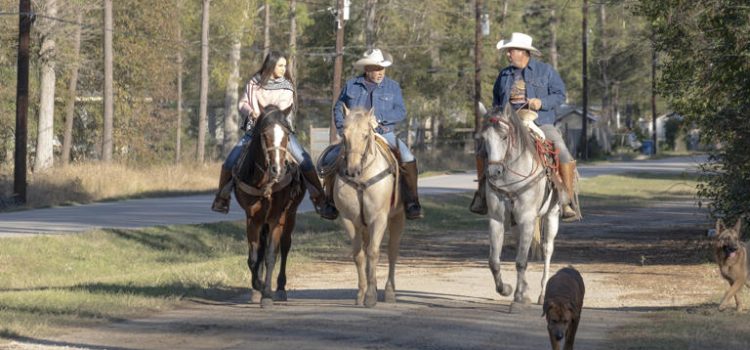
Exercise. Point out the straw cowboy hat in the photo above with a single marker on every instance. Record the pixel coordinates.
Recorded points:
(518, 41)
(374, 57)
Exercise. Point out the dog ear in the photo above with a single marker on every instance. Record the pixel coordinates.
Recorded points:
(571, 307)
(545, 308)
(719, 226)
(738, 226)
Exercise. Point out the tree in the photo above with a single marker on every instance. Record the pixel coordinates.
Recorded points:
(203, 116)
(107, 141)
(47, 57)
(72, 87)
(704, 74)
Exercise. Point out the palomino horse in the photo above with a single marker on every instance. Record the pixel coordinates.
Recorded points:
(366, 194)
(270, 189)
(519, 191)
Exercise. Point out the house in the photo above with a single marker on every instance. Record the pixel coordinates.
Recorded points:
(568, 119)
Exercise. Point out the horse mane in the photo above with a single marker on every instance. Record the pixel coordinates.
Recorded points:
(525, 142)
(358, 118)
(271, 115)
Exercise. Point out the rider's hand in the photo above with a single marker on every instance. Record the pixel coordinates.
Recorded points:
(535, 104)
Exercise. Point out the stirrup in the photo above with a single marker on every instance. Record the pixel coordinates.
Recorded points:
(478, 204)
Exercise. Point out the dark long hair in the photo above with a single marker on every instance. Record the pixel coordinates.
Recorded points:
(269, 64)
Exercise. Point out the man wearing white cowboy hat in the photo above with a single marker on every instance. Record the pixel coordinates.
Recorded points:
(373, 90)
(534, 90)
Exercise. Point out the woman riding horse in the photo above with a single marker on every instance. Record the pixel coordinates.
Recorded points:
(271, 85)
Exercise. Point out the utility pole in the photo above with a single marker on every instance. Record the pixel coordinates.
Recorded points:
(584, 129)
(338, 65)
(477, 68)
(653, 96)
(25, 18)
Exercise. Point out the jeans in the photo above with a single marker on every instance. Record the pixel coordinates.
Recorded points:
(298, 153)
(406, 155)
(552, 133)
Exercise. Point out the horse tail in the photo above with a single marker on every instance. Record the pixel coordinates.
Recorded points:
(536, 240)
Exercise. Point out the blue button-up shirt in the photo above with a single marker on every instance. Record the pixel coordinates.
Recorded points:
(386, 98)
(542, 82)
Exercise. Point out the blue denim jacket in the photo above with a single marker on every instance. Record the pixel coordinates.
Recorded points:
(542, 82)
(386, 98)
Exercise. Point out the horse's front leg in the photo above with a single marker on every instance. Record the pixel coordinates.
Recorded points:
(395, 228)
(254, 257)
(550, 225)
(497, 235)
(525, 229)
(286, 245)
(358, 254)
(272, 251)
(377, 231)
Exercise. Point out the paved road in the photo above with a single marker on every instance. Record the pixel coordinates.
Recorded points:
(195, 209)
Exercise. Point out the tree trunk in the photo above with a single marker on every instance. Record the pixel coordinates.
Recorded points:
(178, 131)
(267, 29)
(45, 135)
(370, 25)
(604, 124)
(203, 115)
(70, 107)
(231, 97)
(107, 143)
(292, 64)
(553, 39)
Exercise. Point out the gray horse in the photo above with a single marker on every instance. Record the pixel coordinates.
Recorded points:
(518, 192)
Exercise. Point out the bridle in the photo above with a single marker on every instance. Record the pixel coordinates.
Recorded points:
(267, 185)
(359, 185)
(511, 141)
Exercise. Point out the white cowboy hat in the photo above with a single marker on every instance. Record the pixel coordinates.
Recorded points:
(375, 57)
(518, 41)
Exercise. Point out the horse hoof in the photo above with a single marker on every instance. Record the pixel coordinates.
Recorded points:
(266, 303)
(522, 300)
(518, 308)
(390, 296)
(506, 290)
(280, 295)
(255, 296)
(370, 302)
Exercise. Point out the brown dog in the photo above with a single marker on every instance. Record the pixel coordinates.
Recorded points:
(731, 255)
(563, 301)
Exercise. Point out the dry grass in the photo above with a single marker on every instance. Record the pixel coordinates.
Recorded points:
(91, 182)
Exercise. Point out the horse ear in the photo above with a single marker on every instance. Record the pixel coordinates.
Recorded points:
(288, 110)
(346, 111)
(371, 111)
(373, 122)
(261, 108)
(482, 108)
(508, 110)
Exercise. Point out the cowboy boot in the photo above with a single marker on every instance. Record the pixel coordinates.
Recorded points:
(221, 202)
(567, 173)
(479, 203)
(409, 190)
(321, 202)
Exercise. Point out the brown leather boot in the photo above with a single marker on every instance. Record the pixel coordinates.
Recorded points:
(568, 174)
(221, 202)
(409, 190)
(323, 205)
(479, 203)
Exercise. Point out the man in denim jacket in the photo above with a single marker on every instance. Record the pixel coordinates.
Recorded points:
(374, 90)
(534, 90)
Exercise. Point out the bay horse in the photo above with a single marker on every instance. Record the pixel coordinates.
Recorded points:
(517, 191)
(269, 188)
(366, 194)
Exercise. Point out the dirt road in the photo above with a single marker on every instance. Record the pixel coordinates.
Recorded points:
(634, 260)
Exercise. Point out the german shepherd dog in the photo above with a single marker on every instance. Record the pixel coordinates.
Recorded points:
(563, 301)
(731, 255)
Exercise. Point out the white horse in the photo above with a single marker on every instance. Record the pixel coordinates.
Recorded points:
(517, 191)
(366, 195)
